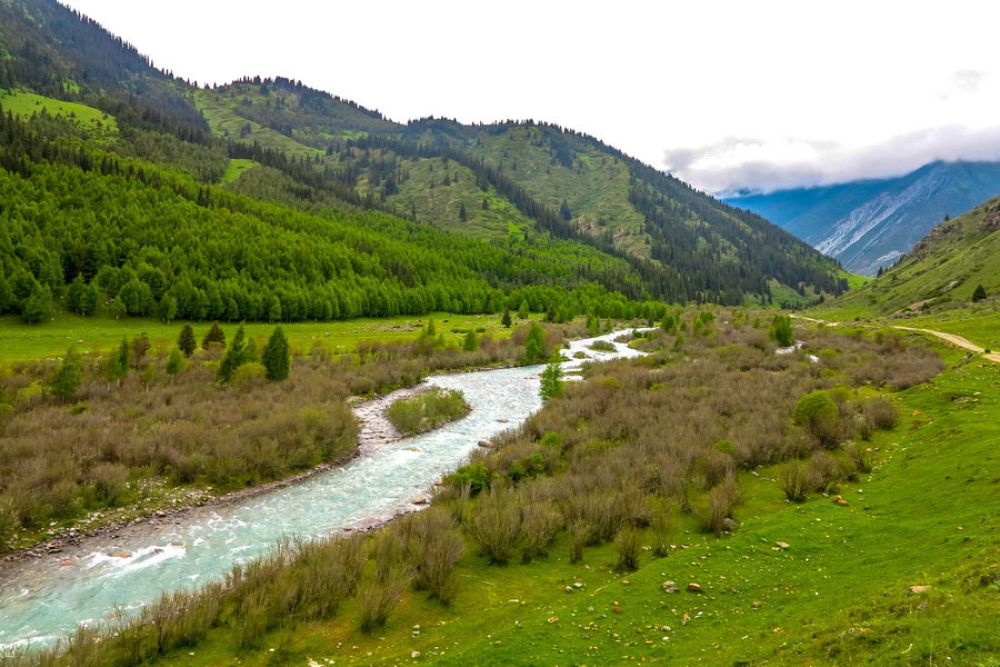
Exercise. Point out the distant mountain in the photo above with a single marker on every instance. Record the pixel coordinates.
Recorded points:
(870, 224)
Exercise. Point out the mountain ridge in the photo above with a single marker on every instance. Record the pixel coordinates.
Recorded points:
(869, 224)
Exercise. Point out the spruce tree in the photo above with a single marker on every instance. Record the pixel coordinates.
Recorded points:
(979, 294)
(175, 362)
(505, 319)
(186, 342)
(215, 335)
(233, 358)
(275, 357)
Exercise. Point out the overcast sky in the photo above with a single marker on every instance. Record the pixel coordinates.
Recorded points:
(724, 94)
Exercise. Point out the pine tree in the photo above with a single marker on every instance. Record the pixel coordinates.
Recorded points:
(463, 215)
(175, 362)
(233, 358)
(215, 335)
(523, 310)
(979, 294)
(275, 357)
(505, 320)
(186, 342)
(69, 376)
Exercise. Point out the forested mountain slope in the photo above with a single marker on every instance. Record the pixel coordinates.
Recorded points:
(868, 225)
(501, 207)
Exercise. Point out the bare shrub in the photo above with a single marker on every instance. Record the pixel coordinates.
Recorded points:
(627, 546)
(796, 480)
(434, 547)
(721, 500)
(581, 533)
(880, 413)
(862, 457)
(496, 524)
(539, 524)
(662, 526)
(376, 601)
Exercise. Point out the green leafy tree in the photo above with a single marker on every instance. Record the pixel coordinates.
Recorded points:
(275, 357)
(505, 320)
(979, 294)
(552, 381)
(89, 299)
(523, 310)
(118, 309)
(781, 331)
(69, 376)
(74, 294)
(534, 345)
(38, 307)
(470, 343)
(233, 358)
(186, 342)
(118, 366)
(168, 309)
(215, 336)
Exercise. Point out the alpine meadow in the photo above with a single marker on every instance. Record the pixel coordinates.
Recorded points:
(287, 381)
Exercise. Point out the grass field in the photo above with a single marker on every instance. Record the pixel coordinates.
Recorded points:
(19, 341)
(95, 121)
(236, 168)
(839, 593)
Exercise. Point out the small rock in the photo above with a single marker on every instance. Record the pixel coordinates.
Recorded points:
(414, 654)
(782, 545)
(553, 619)
(916, 590)
(728, 525)
(670, 587)
(569, 589)
(757, 604)
(694, 588)
(840, 500)
(420, 501)
(578, 584)
(485, 444)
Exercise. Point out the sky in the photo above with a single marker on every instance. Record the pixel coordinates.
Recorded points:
(726, 95)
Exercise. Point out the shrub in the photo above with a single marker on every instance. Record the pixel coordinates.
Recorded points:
(539, 524)
(627, 546)
(663, 525)
(474, 475)
(581, 533)
(863, 458)
(110, 481)
(376, 601)
(247, 375)
(781, 331)
(552, 381)
(721, 501)
(434, 547)
(795, 480)
(819, 416)
(880, 413)
(602, 346)
(427, 410)
(496, 524)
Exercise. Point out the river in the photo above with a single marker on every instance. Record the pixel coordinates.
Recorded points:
(49, 596)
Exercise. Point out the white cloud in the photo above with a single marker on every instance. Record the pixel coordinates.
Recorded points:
(740, 163)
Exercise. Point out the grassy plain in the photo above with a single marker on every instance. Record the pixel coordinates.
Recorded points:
(19, 341)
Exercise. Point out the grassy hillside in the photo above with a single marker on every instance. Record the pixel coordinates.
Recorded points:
(98, 124)
(936, 280)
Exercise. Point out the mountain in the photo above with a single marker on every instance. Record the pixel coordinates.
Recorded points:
(940, 273)
(870, 224)
(510, 206)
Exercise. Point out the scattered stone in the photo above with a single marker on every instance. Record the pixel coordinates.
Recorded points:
(782, 545)
(414, 654)
(420, 501)
(485, 444)
(840, 500)
(553, 619)
(670, 587)
(569, 589)
(728, 525)
(757, 604)
(694, 588)
(578, 584)
(916, 590)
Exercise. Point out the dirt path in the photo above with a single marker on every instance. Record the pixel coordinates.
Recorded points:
(954, 339)
(957, 341)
